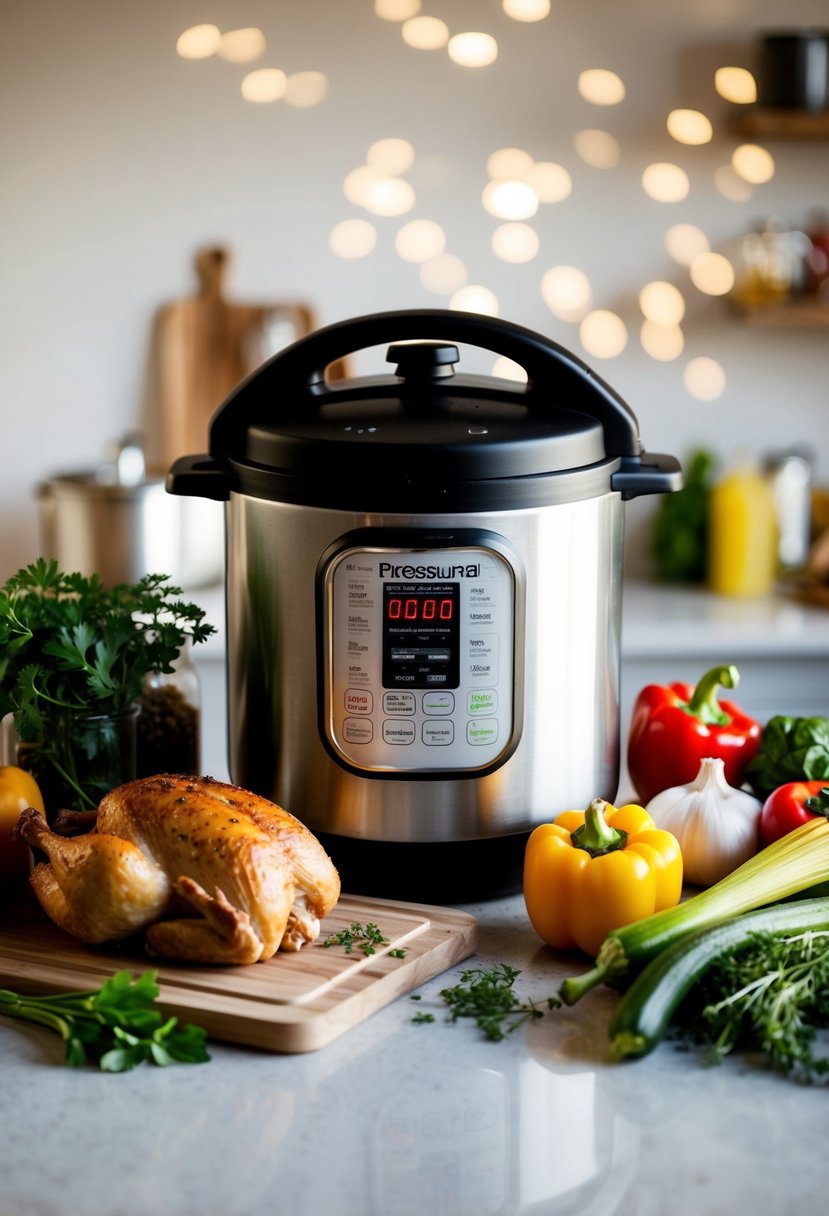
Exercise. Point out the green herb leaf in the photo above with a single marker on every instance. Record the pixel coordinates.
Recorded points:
(791, 749)
(488, 997)
(118, 1024)
(356, 935)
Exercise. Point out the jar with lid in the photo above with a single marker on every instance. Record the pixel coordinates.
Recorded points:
(169, 721)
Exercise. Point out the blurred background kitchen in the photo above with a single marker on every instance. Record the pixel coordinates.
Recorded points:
(192, 183)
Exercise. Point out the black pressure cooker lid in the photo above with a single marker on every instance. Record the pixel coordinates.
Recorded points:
(421, 434)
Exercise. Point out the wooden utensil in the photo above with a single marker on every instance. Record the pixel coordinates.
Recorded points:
(206, 344)
(291, 1003)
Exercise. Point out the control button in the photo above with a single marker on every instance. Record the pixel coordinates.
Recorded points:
(482, 731)
(398, 732)
(482, 616)
(398, 703)
(438, 734)
(433, 678)
(358, 730)
(483, 702)
(358, 701)
(482, 658)
(438, 702)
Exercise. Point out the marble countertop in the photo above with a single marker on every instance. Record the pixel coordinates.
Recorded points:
(399, 1119)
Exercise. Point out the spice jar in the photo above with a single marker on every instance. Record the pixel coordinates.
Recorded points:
(170, 720)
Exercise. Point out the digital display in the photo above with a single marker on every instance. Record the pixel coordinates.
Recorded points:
(420, 608)
(421, 635)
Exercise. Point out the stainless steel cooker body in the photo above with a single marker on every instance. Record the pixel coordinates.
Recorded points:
(424, 580)
(562, 743)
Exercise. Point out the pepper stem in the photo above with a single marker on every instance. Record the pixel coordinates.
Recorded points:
(595, 835)
(704, 704)
(819, 803)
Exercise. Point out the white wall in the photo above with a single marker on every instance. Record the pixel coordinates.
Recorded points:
(120, 159)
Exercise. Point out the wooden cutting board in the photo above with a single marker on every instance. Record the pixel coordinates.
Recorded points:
(206, 344)
(291, 1003)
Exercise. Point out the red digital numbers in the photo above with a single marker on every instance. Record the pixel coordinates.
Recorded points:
(421, 608)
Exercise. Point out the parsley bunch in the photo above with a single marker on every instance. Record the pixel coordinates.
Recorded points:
(69, 646)
(118, 1025)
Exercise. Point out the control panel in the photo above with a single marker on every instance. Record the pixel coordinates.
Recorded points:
(419, 657)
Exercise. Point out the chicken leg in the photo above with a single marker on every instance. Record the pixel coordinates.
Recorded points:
(97, 888)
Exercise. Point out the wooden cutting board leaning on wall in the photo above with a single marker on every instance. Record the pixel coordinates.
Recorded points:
(206, 344)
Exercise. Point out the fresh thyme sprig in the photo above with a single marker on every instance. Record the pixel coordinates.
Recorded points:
(771, 996)
(119, 1024)
(488, 996)
(367, 937)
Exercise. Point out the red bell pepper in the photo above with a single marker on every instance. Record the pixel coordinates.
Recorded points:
(675, 727)
(791, 805)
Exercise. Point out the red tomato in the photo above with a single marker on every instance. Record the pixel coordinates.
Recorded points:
(785, 808)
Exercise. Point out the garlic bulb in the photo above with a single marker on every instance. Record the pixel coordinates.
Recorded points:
(716, 825)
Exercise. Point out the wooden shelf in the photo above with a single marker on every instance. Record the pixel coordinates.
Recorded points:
(787, 124)
(797, 314)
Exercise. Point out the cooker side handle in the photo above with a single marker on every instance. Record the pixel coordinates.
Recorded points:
(648, 473)
(292, 382)
(198, 477)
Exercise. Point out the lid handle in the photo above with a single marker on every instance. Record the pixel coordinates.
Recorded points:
(294, 379)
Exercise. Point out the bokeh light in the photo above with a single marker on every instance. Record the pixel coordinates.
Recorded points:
(704, 378)
(305, 89)
(551, 182)
(358, 182)
(352, 238)
(264, 85)
(601, 87)
(509, 163)
(665, 183)
(515, 243)
(731, 186)
(444, 274)
(567, 292)
(662, 342)
(599, 149)
(473, 49)
(662, 303)
(475, 298)
(527, 10)
(510, 200)
(508, 369)
(425, 33)
(388, 196)
(396, 10)
(420, 240)
(736, 84)
(753, 164)
(712, 274)
(689, 127)
(603, 334)
(393, 155)
(684, 242)
(242, 46)
(199, 42)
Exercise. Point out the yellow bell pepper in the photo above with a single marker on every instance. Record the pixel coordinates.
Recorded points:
(592, 871)
(18, 789)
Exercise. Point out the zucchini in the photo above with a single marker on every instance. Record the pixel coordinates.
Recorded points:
(790, 865)
(644, 1013)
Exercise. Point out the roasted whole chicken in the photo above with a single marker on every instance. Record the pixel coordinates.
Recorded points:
(213, 873)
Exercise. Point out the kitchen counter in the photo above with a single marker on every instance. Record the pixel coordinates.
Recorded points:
(398, 1119)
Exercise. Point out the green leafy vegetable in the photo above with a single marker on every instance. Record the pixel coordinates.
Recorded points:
(771, 996)
(367, 938)
(791, 749)
(119, 1025)
(71, 647)
(421, 1018)
(488, 997)
(679, 539)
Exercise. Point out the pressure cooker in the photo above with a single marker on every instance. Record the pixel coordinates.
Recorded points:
(423, 584)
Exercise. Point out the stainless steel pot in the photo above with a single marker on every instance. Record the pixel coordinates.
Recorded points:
(423, 586)
(122, 530)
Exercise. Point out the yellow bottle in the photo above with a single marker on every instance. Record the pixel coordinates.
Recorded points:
(742, 544)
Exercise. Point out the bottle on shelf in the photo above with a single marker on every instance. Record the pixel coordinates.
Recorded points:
(743, 544)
